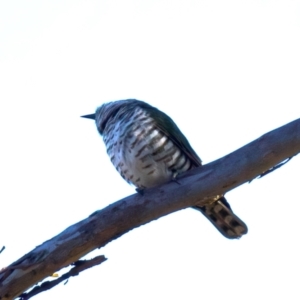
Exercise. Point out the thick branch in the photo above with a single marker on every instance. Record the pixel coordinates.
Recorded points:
(118, 218)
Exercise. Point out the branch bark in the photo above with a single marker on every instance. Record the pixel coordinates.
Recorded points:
(105, 225)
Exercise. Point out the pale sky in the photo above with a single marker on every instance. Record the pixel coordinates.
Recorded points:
(225, 71)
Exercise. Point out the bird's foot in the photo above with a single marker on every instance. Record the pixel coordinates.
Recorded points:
(174, 177)
(140, 191)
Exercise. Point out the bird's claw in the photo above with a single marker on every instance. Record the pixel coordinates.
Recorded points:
(174, 178)
(140, 191)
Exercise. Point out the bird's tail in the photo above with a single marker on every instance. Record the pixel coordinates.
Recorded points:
(222, 217)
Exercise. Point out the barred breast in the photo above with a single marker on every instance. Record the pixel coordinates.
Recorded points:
(141, 153)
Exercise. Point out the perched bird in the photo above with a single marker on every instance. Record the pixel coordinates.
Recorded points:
(148, 149)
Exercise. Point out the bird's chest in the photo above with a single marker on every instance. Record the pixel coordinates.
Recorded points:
(140, 152)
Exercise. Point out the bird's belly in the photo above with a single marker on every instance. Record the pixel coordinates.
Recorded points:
(149, 173)
(142, 170)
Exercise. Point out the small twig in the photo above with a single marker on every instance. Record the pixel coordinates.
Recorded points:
(275, 167)
(2, 249)
(272, 169)
(79, 266)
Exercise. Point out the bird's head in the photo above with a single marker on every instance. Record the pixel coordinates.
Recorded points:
(107, 111)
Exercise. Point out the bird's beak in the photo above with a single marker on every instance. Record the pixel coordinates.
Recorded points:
(92, 116)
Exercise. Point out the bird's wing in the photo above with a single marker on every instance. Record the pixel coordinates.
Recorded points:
(168, 127)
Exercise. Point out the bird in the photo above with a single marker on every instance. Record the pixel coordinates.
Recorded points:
(148, 149)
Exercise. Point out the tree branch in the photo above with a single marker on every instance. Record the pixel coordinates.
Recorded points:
(105, 225)
(79, 266)
(2, 249)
